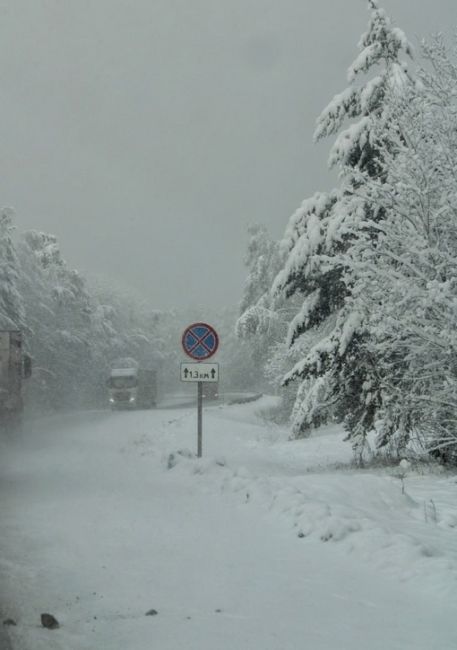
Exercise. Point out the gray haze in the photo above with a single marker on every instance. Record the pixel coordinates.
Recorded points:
(147, 134)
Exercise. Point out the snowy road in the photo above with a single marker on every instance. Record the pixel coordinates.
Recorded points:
(263, 544)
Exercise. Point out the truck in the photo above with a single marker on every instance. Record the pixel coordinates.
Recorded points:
(210, 390)
(132, 388)
(15, 365)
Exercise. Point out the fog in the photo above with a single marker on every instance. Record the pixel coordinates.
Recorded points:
(147, 135)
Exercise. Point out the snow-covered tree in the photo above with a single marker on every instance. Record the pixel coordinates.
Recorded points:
(11, 304)
(334, 370)
(58, 324)
(261, 321)
(259, 259)
(262, 260)
(404, 283)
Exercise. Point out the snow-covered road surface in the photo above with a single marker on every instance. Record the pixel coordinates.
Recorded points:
(264, 544)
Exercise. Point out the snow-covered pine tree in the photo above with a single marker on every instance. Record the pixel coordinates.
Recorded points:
(11, 304)
(405, 283)
(336, 369)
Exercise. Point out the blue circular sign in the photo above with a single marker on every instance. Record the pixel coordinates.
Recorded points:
(200, 341)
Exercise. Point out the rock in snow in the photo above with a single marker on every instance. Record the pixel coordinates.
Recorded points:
(49, 621)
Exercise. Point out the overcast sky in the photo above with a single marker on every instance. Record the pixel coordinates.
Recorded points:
(147, 134)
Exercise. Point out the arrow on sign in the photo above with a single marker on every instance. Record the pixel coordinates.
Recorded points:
(200, 372)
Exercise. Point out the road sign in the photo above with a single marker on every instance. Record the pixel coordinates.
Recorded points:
(207, 372)
(200, 341)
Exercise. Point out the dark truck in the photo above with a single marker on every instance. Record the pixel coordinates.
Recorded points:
(210, 390)
(132, 388)
(15, 366)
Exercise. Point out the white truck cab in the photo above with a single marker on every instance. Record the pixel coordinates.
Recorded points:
(132, 388)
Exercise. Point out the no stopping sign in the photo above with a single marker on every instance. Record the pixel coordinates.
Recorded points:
(200, 341)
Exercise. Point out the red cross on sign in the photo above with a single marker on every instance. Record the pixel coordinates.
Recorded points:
(200, 341)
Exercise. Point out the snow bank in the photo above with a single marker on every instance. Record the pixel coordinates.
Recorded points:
(313, 489)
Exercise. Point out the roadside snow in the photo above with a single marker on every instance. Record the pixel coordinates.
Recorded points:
(264, 543)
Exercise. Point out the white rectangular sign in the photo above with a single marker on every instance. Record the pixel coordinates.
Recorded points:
(200, 372)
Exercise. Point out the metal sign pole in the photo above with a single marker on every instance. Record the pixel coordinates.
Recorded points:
(199, 418)
(200, 341)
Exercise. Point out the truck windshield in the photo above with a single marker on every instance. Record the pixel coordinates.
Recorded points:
(123, 382)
